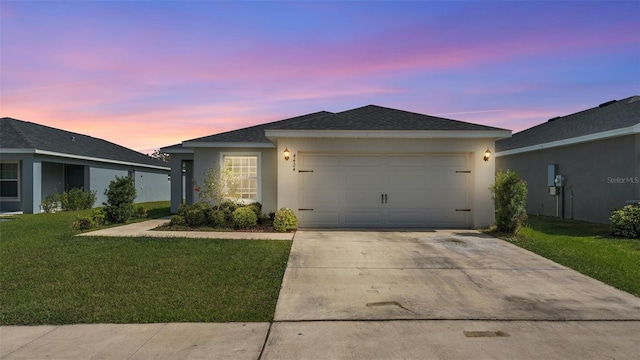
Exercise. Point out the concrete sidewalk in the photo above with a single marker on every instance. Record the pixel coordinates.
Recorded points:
(144, 229)
(398, 339)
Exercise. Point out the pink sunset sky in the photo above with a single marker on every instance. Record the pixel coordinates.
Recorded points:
(151, 74)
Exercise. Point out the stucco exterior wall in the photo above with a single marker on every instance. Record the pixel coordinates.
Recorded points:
(483, 209)
(205, 158)
(600, 175)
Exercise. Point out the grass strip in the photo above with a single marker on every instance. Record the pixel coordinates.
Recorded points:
(585, 247)
(48, 276)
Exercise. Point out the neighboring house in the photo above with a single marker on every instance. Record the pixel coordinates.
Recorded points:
(367, 167)
(597, 151)
(37, 160)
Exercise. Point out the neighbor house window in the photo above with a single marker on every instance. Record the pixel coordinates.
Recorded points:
(9, 181)
(242, 176)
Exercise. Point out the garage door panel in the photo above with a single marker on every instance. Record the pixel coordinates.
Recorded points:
(364, 160)
(362, 198)
(319, 218)
(422, 190)
(364, 179)
(407, 199)
(406, 161)
(452, 161)
(309, 200)
(404, 218)
(322, 180)
(362, 218)
(318, 161)
(403, 180)
(447, 199)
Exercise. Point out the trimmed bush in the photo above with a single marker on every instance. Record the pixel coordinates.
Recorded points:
(195, 217)
(244, 217)
(82, 223)
(50, 202)
(140, 212)
(99, 217)
(256, 207)
(625, 222)
(285, 220)
(78, 199)
(177, 220)
(120, 196)
(216, 219)
(510, 198)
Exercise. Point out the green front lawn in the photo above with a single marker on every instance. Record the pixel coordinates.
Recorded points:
(585, 247)
(48, 276)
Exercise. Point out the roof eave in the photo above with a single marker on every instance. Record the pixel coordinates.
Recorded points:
(635, 129)
(80, 157)
(214, 144)
(390, 134)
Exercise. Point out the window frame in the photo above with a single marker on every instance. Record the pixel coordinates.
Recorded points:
(258, 156)
(17, 180)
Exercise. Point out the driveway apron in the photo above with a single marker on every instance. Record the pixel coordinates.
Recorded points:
(439, 275)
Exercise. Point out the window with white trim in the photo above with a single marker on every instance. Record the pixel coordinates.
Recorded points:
(242, 173)
(9, 180)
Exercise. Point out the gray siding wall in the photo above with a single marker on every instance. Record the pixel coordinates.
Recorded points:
(52, 178)
(152, 186)
(602, 175)
(99, 179)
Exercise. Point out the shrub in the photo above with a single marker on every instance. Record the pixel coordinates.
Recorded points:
(177, 220)
(82, 223)
(195, 217)
(120, 196)
(625, 222)
(50, 202)
(256, 207)
(509, 197)
(78, 199)
(99, 217)
(244, 217)
(140, 212)
(284, 220)
(216, 219)
(228, 207)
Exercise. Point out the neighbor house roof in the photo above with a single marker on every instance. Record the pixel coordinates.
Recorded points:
(613, 118)
(17, 136)
(366, 118)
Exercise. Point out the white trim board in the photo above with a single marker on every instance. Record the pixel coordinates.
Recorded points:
(80, 157)
(390, 134)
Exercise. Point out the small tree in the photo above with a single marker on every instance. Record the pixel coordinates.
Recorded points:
(156, 154)
(510, 197)
(120, 196)
(217, 186)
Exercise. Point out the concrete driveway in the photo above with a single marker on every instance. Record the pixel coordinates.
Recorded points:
(443, 275)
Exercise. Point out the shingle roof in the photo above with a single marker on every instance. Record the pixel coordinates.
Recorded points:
(255, 134)
(373, 117)
(18, 134)
(608, 116)
(370, 117)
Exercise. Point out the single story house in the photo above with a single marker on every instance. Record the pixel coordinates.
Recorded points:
(367, 167)
(37, 160)
(594, 154)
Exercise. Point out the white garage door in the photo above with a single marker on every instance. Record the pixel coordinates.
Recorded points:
(421, 190)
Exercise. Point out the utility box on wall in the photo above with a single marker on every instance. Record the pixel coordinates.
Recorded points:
(552, 171)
